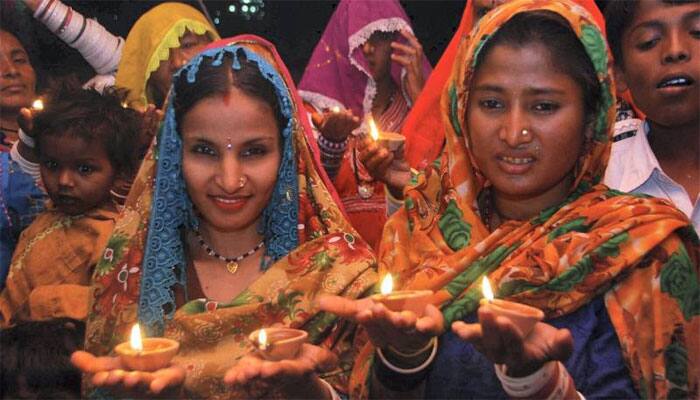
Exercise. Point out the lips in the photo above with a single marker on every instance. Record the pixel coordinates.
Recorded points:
(675, 81)
(14, 88)
(229, 203)
(515, 164)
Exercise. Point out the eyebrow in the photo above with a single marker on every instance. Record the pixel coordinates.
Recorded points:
(656, 24)
(200, 139)
(18, 52)
(531, 90)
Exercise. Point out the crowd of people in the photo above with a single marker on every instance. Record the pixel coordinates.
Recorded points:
(193, 188)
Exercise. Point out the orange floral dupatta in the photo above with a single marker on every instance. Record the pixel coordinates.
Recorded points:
(639, 252)
(324, 255)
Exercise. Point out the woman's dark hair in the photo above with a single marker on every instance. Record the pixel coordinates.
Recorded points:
(217, 80)
(90, 116)
(567, 54)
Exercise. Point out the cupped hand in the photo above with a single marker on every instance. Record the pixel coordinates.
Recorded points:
(337, 126)
(383, 166)
(109, 372)
(289, 376)
(502, 342)
(410, 57)
(402, 330)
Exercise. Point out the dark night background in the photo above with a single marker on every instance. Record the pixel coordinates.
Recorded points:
(293, 26)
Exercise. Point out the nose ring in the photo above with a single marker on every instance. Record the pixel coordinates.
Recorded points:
(242, 181)
(524, 132)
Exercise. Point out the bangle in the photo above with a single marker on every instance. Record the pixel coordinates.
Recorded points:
(26, 139)
(408, 371)
(418, 352)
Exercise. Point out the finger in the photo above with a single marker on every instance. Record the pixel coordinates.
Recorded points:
(114, 377)
(405, 61)
(87, 362)
(467, 332)
(132, 378)
(341, 306)
(403, 49)
(563, 345)
(167, 377)
(411, 38)
(432, 322)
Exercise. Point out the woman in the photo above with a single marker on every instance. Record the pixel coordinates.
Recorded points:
(160, 42)
(21, 198)
(210, 252)
(367, 63)
(530, 109)
(18, 86)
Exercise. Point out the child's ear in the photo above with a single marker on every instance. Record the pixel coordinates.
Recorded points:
(620, 79)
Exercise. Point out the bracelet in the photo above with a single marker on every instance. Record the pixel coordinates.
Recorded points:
(331, 146)
(551, 381)
(42, 9)
(408, 371)
(66, 20)
(26, 139)
(414, 353)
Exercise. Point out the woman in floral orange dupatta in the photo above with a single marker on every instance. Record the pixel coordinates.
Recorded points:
(163, 265)
(616, 275)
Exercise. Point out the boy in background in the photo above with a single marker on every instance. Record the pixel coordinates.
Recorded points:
(656, 45)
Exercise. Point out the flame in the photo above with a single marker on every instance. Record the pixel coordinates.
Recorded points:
(373, 131)
(486, 289)
(387, 284)
(262, 339)
(38, 105)
(335, 109)
(136, 342)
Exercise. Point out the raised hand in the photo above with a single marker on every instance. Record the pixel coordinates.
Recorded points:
(410, 56)
(337, 126)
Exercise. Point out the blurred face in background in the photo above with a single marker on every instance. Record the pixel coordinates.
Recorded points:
(190, 45)
(17, 77)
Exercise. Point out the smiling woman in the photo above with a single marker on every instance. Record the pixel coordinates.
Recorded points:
(235, 230)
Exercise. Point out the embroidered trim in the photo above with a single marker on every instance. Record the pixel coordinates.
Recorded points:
(358, 38)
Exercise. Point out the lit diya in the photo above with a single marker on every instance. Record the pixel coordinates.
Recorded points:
(402, 300)
(146, 354)
(523, 316)
(391, 140)
(275, 344)
(37, 105)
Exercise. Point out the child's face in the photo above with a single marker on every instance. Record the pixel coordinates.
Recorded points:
(660, 62)
(77, 174)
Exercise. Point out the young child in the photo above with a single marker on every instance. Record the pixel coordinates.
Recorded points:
(86, 143)
(656, 48)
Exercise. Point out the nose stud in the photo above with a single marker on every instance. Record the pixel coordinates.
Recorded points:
(242, 181)
(524, 132)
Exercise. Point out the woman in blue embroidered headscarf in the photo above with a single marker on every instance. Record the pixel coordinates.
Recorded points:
(229, 227)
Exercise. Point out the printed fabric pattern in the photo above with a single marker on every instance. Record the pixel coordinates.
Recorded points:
(640, 252)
